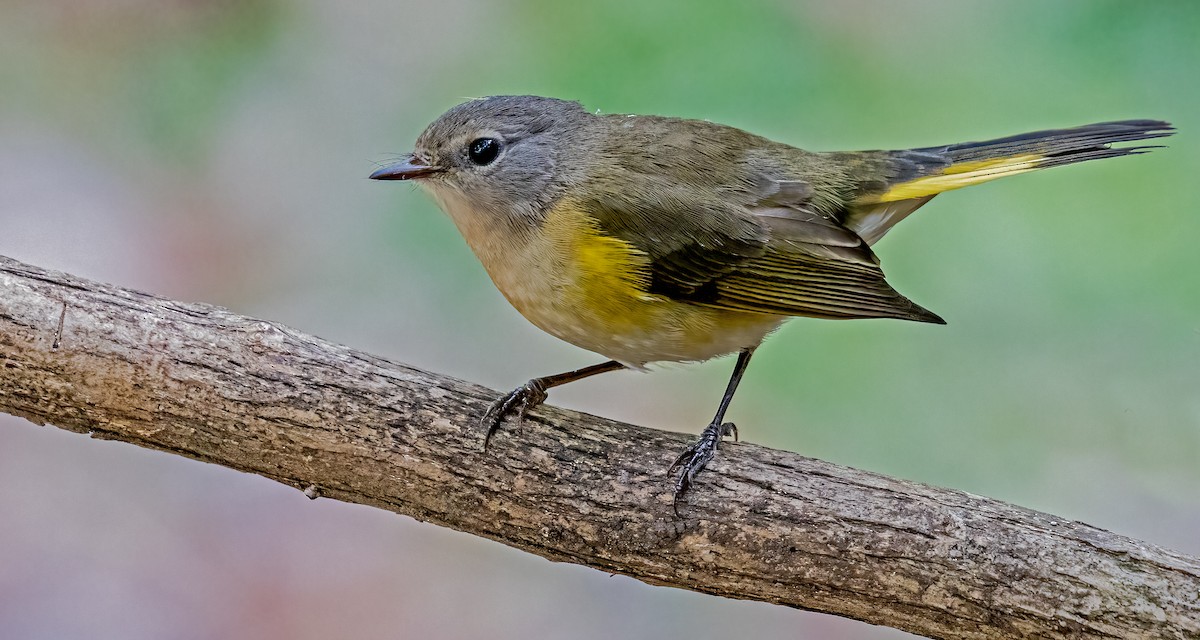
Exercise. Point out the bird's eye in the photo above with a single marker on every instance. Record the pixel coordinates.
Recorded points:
(483, 151)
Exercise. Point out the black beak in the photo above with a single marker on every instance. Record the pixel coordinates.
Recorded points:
(407, 169)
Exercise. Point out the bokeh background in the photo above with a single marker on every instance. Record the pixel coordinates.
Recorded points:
(217, 151)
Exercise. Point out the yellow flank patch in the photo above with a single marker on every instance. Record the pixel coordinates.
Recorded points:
(605, 275)
(587, 287)
(963, 174)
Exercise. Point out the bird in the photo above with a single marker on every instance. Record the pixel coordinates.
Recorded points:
(650, 239)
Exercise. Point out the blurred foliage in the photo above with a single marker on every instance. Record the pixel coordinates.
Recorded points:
(177, 83)
(134, 73)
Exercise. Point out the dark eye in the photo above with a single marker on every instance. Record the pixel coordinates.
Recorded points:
(483, 151)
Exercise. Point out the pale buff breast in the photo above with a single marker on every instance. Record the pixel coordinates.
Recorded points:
(584, 288)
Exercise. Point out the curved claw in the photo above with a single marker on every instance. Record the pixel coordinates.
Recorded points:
(693, 459)
(517, 403)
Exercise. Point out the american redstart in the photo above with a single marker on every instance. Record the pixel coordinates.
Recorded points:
(647, 239)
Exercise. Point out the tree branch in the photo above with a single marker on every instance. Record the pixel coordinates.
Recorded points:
(259, 397)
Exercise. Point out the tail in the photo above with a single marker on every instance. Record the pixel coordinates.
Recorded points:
(916, 175)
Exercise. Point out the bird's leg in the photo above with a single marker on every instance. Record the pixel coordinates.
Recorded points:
(695, 457)
(529, 395)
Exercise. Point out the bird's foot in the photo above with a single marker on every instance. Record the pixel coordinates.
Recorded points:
(693, 460)
(517, 403)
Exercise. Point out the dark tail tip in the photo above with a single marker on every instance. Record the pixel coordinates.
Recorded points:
(930, 317)
(917, 313)
(1064, 146)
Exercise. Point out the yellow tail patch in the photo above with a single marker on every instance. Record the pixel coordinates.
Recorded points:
(962, 174)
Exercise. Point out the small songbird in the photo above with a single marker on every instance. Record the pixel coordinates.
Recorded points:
(648, 239)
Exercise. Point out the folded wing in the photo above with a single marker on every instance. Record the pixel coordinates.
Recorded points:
(778, 256)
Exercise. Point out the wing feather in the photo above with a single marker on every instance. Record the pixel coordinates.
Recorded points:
(775, 256)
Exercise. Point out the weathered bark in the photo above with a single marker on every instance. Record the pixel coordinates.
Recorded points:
(252, 395)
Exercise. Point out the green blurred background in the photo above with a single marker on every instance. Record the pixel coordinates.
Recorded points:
(217, 151)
